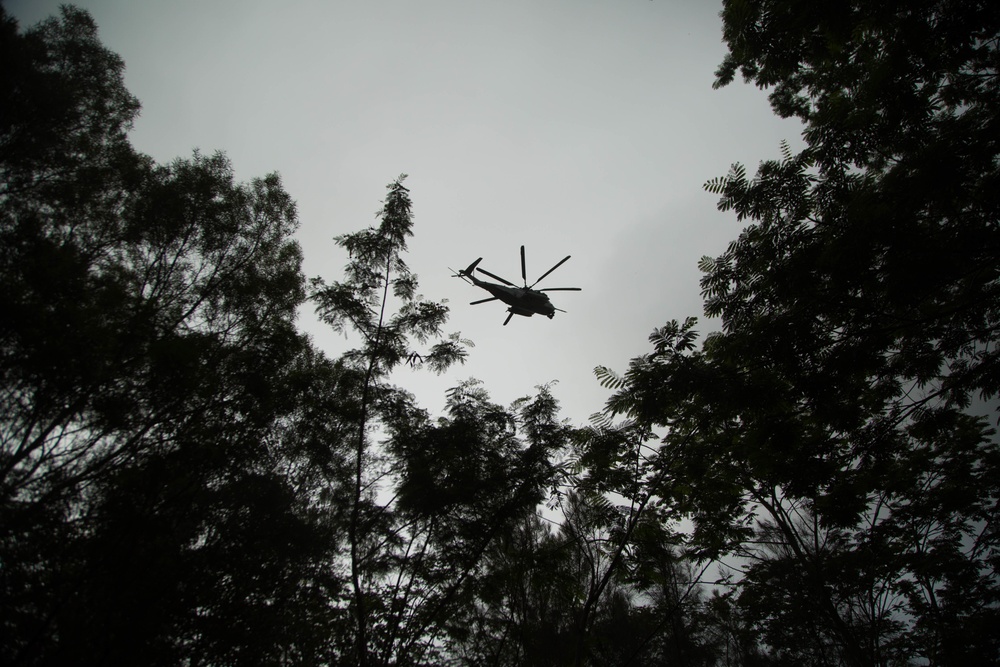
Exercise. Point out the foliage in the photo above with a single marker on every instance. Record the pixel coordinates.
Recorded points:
(154, 456)
(833, 437)
(536, 601)
(175, 457)
(457, 484)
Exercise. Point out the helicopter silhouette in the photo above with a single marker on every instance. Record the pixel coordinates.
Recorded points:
(525, 300)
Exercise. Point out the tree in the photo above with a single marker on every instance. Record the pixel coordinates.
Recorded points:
(544, 597)
(159, 445)
(361, 304)
(429, 500)
(467, 480)
(522, 608)
(183, 478)
(829, 435)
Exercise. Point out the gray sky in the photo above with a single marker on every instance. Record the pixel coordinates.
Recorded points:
(574, 127)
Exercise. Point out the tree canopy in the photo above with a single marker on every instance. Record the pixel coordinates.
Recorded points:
(836, 436)
(185, 479)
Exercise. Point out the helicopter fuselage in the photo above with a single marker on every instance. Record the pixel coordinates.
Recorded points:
(522, 300)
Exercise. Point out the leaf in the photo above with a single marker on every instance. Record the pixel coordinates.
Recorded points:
(717, 185)
(608, 378)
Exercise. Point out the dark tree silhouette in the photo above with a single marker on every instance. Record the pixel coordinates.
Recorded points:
(830, 434)
(154, 449)
(429, 500)
(185, 480)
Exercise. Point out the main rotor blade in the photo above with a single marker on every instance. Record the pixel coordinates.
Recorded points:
(561, 289)
(496, 277)
(509, 315)
(551, 270)
(492, 298)
(524, 274)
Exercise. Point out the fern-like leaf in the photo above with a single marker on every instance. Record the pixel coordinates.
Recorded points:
(608, 378)
(601, 420)
(717, 185)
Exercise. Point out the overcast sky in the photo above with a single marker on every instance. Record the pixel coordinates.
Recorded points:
(574, 127)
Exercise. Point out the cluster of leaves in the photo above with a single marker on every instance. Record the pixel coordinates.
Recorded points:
(153, 463)
(185, 480)
(456, 484)
(835, 437)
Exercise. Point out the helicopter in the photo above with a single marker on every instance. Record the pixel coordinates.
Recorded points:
(525, 300)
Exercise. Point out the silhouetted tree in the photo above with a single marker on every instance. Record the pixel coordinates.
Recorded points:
(183, 478)
(158, 440)
(522, 608)
(429, 500)
(538, 584)
(829, 435)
